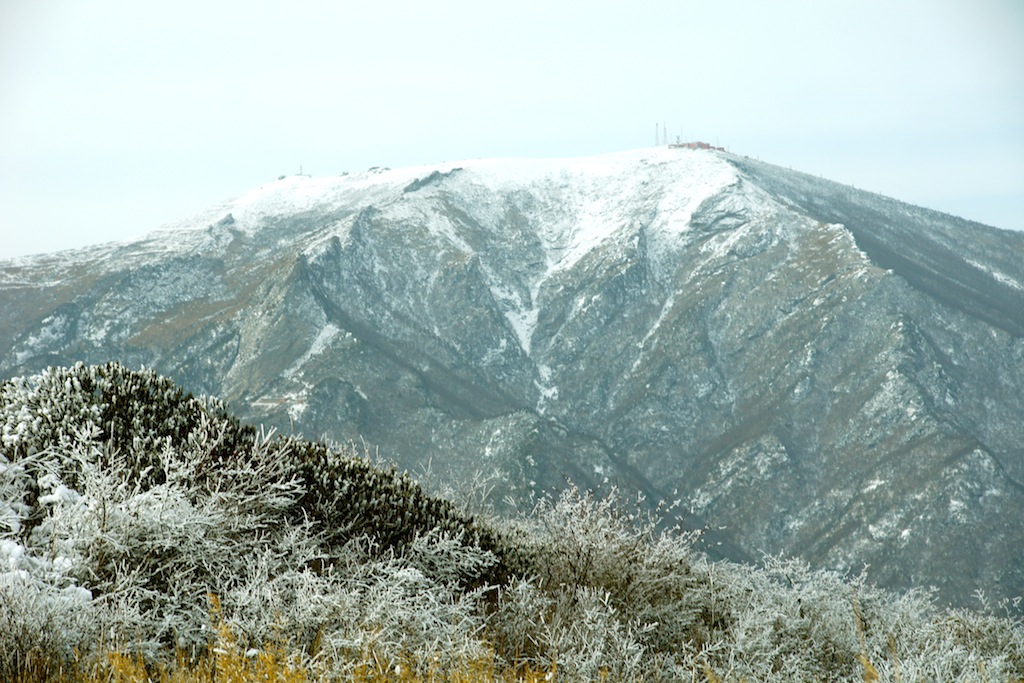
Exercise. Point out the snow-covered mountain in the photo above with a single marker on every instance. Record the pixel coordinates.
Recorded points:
(818, 371)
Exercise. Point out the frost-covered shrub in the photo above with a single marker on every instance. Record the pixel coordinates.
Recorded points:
(142, 531)
(147, 557)
(348, 497)
(41, 623)
(608, 544)
(367, 604)
(610, 599)
(133, 411)
(602, 593)
(147, 527)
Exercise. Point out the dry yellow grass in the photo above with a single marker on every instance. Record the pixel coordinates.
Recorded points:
(226, 661)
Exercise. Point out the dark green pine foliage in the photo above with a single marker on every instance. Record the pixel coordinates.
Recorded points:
(349, 497)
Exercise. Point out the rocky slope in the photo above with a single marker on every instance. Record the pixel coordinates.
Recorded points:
(818, 371)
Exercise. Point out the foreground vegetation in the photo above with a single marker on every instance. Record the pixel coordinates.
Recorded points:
(146, 534)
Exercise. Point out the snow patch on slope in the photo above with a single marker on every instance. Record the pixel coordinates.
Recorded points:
(586, 201)
(642, 344)
(999, 277)
(288, 196)
(323, 338)
(579, 205)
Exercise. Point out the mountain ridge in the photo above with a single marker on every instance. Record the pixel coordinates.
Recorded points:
(823, 371)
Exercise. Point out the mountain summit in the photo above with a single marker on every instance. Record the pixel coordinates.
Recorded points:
(816, 370)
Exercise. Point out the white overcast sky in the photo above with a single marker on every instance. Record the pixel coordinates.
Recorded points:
(119, 116)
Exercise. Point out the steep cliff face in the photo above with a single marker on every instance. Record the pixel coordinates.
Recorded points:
(823, 372)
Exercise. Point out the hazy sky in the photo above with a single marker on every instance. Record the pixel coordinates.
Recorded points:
(116, 117)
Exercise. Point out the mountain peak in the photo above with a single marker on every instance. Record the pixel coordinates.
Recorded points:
(825, 372)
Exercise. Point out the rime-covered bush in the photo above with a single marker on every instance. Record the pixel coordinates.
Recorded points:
(135, 503)
(137, 519)
(133, 412)
(41, 621)
(607, 593)
(349, 497)
(366, 604)
(146, 557)
(142, 419)
(612, 599)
